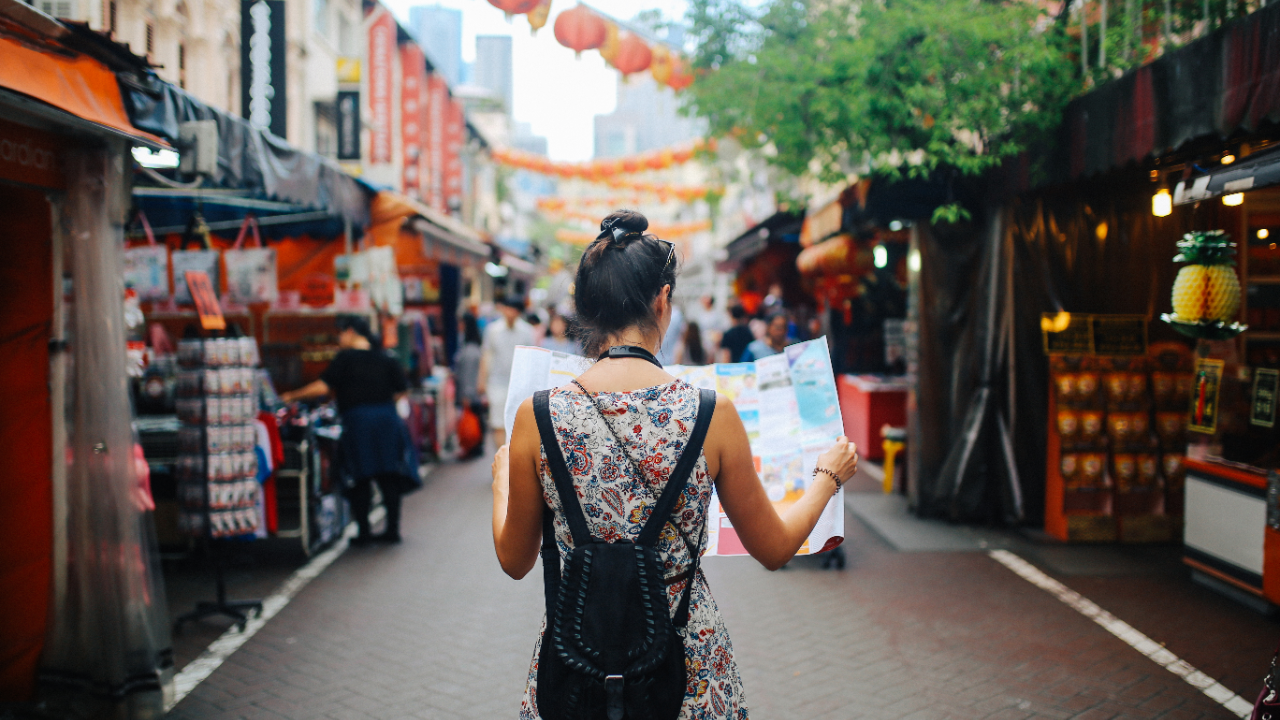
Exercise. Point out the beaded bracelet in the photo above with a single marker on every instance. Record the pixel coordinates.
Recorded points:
(834, 477)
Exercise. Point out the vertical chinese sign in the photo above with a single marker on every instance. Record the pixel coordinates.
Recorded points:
(262, 65)
(436, 110)
(382, 47)
(348, 106)
(454, 138)
(413, 91)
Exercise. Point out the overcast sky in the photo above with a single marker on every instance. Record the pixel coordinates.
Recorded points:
(554, 92)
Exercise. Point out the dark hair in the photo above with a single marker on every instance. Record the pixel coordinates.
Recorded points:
(694, 353)
(470, 329)
(360, 326)
(619, 276)
(512, 301)
(738, 312)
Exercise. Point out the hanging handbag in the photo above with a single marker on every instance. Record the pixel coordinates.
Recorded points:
(205, 260)
(251, 273)
(1267, 706)
(146, 267)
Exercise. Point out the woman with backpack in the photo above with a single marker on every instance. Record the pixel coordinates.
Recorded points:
(612, 474)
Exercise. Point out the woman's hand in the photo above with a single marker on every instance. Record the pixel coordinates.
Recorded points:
(502, 471)
(841, 459)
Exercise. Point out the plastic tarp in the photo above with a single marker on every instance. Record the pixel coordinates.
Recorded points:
(108, 650)
(979, 410)
(249, 158)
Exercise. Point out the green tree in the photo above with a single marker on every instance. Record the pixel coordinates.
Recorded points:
(832, 88)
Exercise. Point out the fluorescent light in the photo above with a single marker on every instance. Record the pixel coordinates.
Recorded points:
(1228, 159)
(1233, 199)
(913, 261)
(895, 225)
(1162, 203)
(880, 254)
(160, 159)
(496, 270)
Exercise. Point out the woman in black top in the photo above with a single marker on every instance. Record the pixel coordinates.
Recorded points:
(375, 443)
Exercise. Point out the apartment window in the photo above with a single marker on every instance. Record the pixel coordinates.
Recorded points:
(151, 39)
(182, 66)
(57, 8)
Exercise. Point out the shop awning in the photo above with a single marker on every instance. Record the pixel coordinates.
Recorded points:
(169, 210)
(1254, 172)
(249, 158)
(42, 75)
(782, 226)
(436, 228)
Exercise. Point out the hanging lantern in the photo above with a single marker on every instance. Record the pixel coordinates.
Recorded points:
(660, 66)
(1206, 293)
(681, 75)
(580, 29)
(514, 7)
(633, 55)
(609, 48)
(538, 16)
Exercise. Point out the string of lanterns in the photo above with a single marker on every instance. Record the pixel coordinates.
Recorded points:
(674, 231)
(600, 170)
(580, 28)
(555, 204)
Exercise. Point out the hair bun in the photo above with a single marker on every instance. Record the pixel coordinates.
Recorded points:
(628, 221)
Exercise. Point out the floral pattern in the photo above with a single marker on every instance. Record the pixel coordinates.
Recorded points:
(655, 424)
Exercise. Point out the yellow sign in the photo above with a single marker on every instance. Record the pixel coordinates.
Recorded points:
(348, 70)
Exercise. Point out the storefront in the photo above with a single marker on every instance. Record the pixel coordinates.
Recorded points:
(75, 516)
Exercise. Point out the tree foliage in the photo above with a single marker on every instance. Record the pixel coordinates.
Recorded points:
(831, 88)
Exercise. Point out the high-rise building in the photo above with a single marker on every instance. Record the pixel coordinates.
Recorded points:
(492, 69)
(647, 118)
(439, 32)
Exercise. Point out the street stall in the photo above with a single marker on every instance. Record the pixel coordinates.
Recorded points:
(764, 256)
(75, 507)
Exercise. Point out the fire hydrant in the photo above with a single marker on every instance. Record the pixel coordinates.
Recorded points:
(895, 439)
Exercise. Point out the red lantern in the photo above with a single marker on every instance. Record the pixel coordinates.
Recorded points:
(633, 55)
(515, 7)
(580, 29)
(681, 75)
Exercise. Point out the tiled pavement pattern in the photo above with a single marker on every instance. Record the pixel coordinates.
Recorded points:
(432, 629)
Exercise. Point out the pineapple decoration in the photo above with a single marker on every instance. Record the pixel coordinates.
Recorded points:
(1206, 293)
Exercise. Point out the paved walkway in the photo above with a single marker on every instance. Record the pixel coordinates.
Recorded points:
(433, 629)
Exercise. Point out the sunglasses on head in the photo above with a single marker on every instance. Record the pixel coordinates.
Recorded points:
(671, 253)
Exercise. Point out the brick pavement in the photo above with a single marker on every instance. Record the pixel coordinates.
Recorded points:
(433, 629)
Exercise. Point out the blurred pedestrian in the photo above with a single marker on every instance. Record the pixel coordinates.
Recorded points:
(557, 339)
(712, 321)
(497, 351)
(692, 351)
(735, 340)
(466, 362)
(375, 444)
(776, 337)
(613, 441)
(670, 340)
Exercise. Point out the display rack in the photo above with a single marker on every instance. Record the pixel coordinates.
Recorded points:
(218, 491)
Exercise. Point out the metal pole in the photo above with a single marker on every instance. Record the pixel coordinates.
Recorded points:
(1102, 38)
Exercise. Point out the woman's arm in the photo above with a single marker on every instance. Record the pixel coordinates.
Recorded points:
(769, 538)
(517, 496)
(319, 388)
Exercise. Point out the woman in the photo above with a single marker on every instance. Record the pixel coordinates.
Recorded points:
(691, 350)
(466, 373)
(557, 338)
(776, 337)
(375, 443)
(623, 297)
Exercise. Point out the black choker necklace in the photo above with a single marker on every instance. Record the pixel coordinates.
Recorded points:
(629, 351)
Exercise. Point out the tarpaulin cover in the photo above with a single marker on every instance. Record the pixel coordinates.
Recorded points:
(75, 83)
(249, 158)
(26, 438)
(980, 407)
(1221, 84)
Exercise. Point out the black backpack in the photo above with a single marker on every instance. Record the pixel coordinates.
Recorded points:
(610, 649)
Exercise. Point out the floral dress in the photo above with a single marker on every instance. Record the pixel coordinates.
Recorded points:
(654, 423)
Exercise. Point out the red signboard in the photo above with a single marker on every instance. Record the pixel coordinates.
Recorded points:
(454, 138)
(382, 48)
(437, 109)
(29, 156)
(413, 96)
(206, 300)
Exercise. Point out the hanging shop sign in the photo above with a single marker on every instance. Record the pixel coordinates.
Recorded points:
(438, 96)
(382, 46)
(348, 124)
(413, 95)
(1204, 396)
(454, 138)
(206, 300)
(29, 156)
(1263, 408)
(1119, 335)
(262, 64)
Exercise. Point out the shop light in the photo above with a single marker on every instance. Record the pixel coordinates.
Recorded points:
(1228, 159)
(496, 270)
(1233, 199)
(1263, 234)
(1162, 203)
(163, 158)
(913, 261)
(1101, 230)
(880, 255)
(895, 225)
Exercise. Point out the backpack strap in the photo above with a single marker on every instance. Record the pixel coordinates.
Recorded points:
(680, 476)
(560, 472)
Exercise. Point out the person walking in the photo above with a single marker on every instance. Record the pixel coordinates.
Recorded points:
(691, 350)
(621, 429)
(735, 340)
(777, 335)
(466, 373)
(497, 351)
(375, 444)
